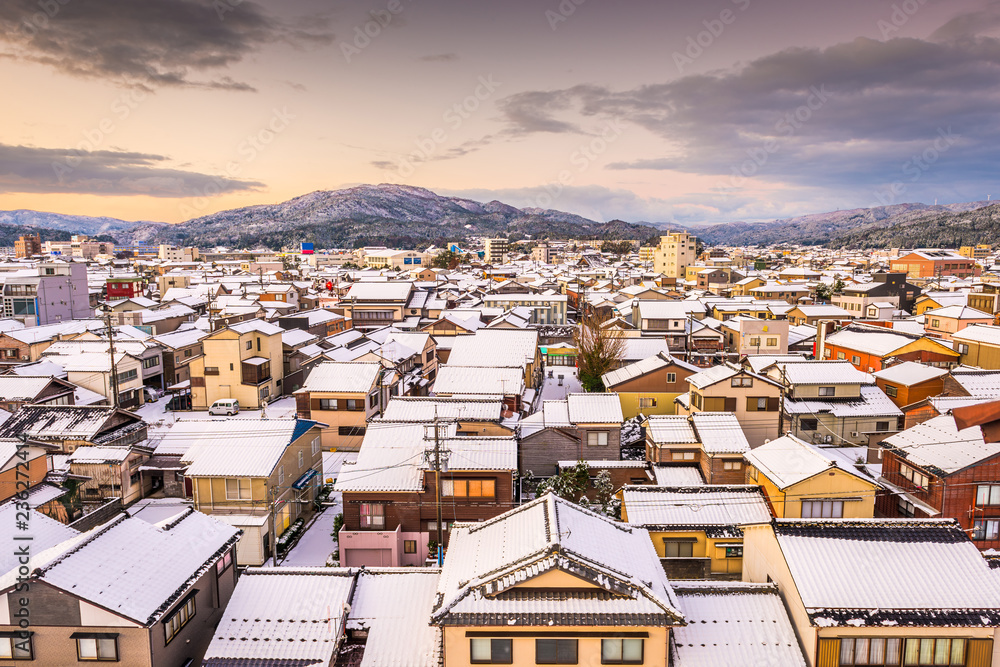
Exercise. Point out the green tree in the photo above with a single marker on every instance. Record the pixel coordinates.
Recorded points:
(569, 483)
(617, 248)
(446, 260)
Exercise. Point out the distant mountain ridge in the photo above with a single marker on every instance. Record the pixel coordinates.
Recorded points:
(409, 217)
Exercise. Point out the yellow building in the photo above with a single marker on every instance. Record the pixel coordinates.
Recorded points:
(981, 251)
(697, 531)
(674, 254)
(242, 361)
(802, 481)
(979, 346)
(885, 592)
(498, 572)
(344, 395)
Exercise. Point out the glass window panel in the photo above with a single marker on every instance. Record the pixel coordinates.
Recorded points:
(846, 650)
(838, 509)
(447, 487)
(481, 648)
(489, 488)
(942, 651)
(461, 490)
(958, 651)
(926, 651)
(861, 651)
(912, 655)
(87, 648)
(5, 648)
(475, 488)
(611, 650)
(502, 650)
(892, 651)
(632, 650)
(545, 651)
(995, 494)
(877, 651)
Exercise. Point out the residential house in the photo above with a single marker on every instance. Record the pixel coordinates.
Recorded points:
(978, 345)
(243, 361)
(886, 592)
(473, 416)
(545, 308)
(262, 493)
(749, 335)
(697, 531)
(319, 322)
(872, 348)
(343, 395)
(947, 467)
(754, 399)
(90, 600)
(649, 386)
(890, 288)
(582, 427)
(390, 493)
(791, 293)
(834, 402)
(803, 480)
(377, 304)
(72, 426)
(909, 382)
(54, 292)
(104, 473)
(500, 348)
(946, 322)
(23, 465)
(713, 441)
(180, 347)
(19, 390)
(488, 597)
(816, 313)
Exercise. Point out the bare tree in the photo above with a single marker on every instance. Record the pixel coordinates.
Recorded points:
(599, 349)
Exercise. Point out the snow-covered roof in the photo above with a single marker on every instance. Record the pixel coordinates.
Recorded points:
(379, 291)
(928, 573)
(644, 367)
(234, 447)
(300, 612)
(425, 409)
(872, 402)
(257, 326)
(874, 340)
(488, 560)
(979, 333)
(670, 429)
(788, 460)
(500, 348)
(735, 624)
(958, 313)
(22, 387)
(342, 377)
(88, 454)
(672, 475)
(394, 606)
(978, 382)
(102, 565)
(824, 372)
(594, 408)
(45, 532)
(698, 505)
(937, 445)
(720, 433)
(479, 380)
(909, 373)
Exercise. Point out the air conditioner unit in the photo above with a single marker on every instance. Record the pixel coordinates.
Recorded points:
(25, 357)
(871, 369)
(854, 434)
(828, 439)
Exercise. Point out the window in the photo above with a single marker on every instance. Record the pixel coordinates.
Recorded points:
(355, 404)
(827, 391)
(757, 404)
(671, 378)
(173, 623)
(432, 526)
(351, 430)
(962, 348)
(223, 563)
(373, 399)
(734, 552)
(870, 651)
(696, 400)
(808, 424)
(315, 445)
(327, 404)
(97, 647)
(891, 391)
(302, 458)
(682, 456)
(677, 548)
(16, 648)
(128, 376)
(935, 323)
(822, 509)
(986, 529)
(826, 353)
(409, 546)
(841, 355)
(647, 402)
(372, 515)
(597, 438)
(919, 479)
(249, 344)
(772, 342)
(556, 651)
(281, 474)
(237, 489)
(856, 360)
(905, 507)
(741, 381)
(732, 465)
(487, 651)
(468, 488)
(187, 353)
(621, 651)
(881, 427)
(755, 341)
(152, 362)
(988, 494)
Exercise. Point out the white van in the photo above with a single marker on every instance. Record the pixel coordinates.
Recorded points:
(225, 406)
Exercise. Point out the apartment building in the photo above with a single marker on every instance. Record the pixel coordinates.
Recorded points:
(53, 292)
(674, 254)
(496, 250)
(243, 361)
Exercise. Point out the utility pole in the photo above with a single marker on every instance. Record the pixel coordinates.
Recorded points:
(114, 366)
(438, 459)
(781, 405)
(272, 506)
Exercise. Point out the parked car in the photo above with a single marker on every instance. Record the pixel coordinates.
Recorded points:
(225, 406)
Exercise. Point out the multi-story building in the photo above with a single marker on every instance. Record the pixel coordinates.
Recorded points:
(976, 252)
(243, 361)
(496, 250)
(932, 264)
(543, 253)
(56, 293)
(125, 287)
(28, 246)
(545, 308)
(79, 246)
(171, 253)
(674, 254)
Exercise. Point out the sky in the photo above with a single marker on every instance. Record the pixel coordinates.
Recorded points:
(694, 112)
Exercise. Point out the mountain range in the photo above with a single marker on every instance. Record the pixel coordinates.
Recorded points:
(408, 217)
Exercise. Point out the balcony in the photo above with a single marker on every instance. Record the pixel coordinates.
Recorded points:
(256, 370)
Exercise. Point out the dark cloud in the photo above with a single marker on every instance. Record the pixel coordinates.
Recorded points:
(848, 117)
(149, 43)
(107, 172)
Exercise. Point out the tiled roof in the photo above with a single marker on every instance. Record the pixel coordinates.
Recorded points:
(700, 505)
(342, 377)
(939, 447)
